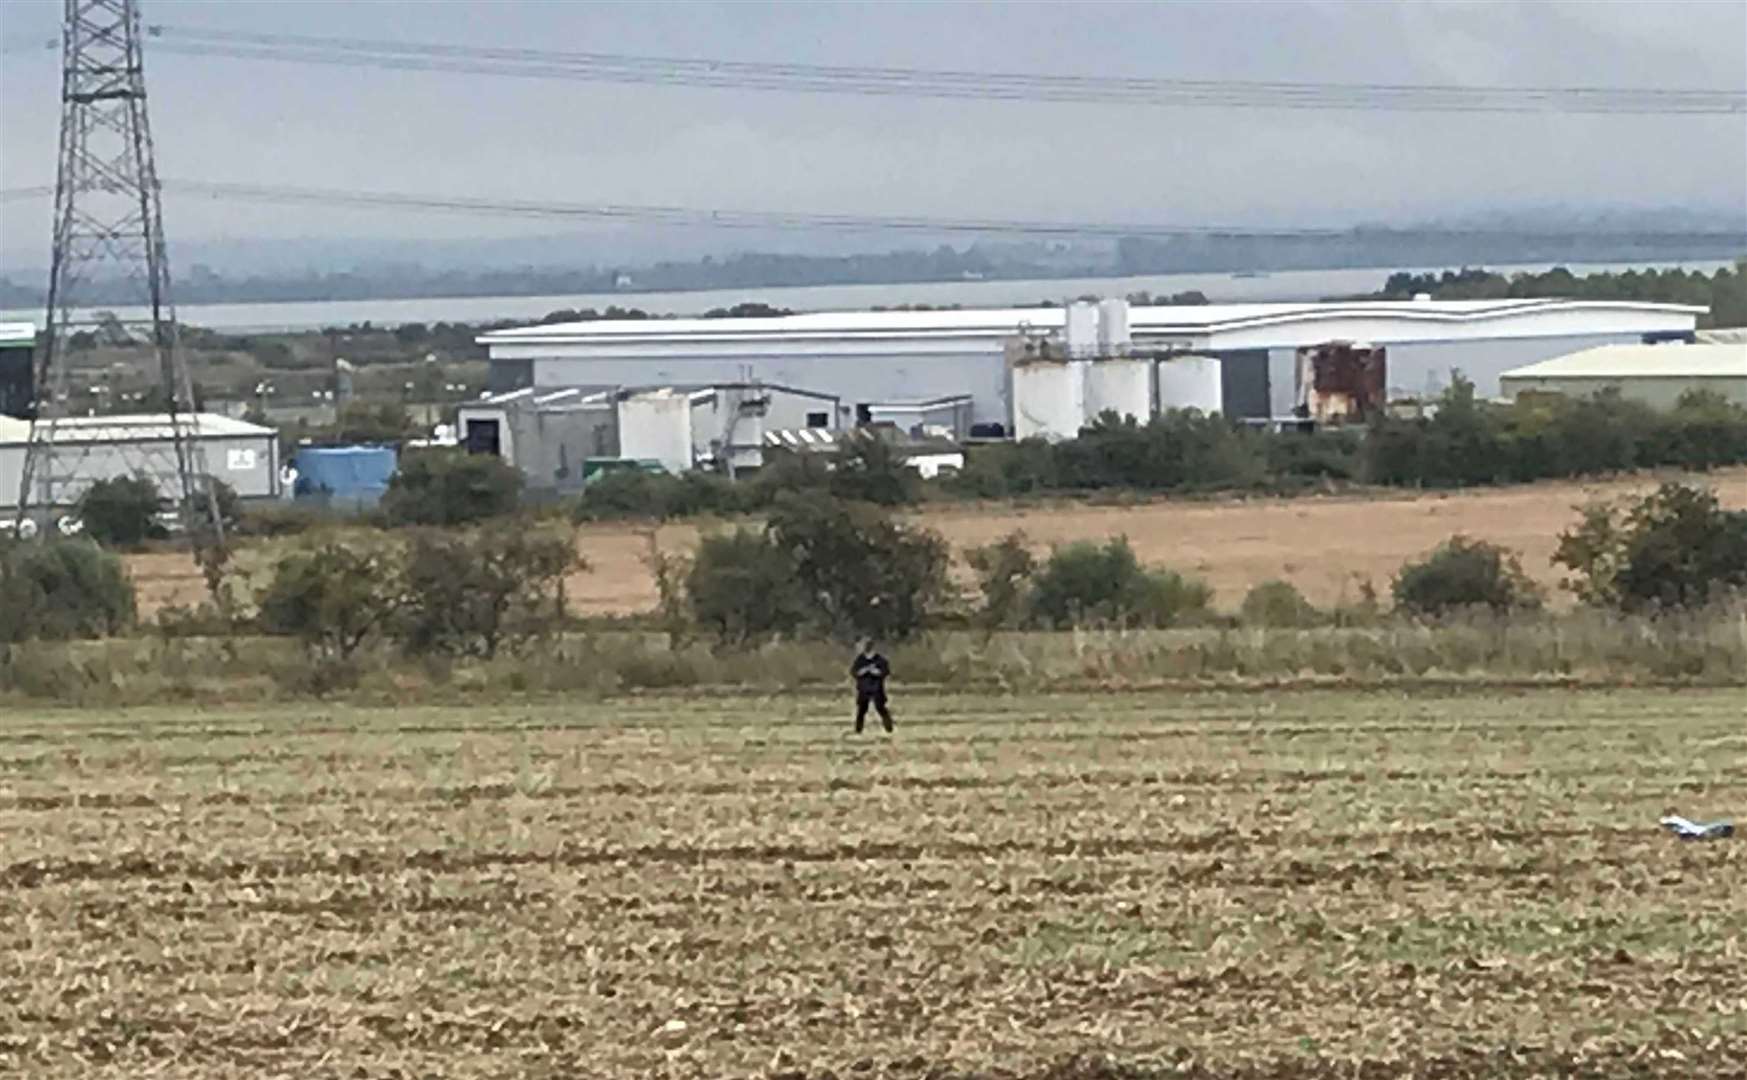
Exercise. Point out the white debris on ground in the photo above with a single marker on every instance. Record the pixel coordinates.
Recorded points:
(1692, 830)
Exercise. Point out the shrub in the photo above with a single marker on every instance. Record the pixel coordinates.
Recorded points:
(1178, 450)
(1006, 470)
(60, 589)
(742, 588)
(635, 493)
(450, 487)
(122, 512)
(1540, 436)
(1003, 571)
(863, 572)
(1295, 458)
(1278, 604)
(472, 593)
(334, 597)
(286, 519)
(1462, 573)
(1676, 547)
(869, 469)
(1088, 583)
(227, 502)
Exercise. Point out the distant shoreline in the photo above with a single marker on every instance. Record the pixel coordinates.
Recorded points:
(1219, 287)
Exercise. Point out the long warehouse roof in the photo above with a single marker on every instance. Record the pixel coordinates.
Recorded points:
(141, 427)
(1198, 319)
(1641, 361)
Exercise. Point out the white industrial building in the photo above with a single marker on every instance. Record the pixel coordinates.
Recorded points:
(552, 436)
(91, 448)
(1657, 375)
(878, 364)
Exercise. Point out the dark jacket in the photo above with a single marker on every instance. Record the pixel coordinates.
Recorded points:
(870, 673)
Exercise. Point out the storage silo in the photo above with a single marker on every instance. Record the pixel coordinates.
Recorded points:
(1119, 384)
(1048, 395)
(1191, 382)
(1113, 332)
(1080, 329)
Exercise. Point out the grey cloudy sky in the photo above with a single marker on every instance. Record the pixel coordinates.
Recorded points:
(450, 133)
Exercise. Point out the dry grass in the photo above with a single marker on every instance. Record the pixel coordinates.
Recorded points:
(1325, 546)
(1288, 885)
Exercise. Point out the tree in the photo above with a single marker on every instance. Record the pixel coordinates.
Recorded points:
(1086, 584)
(1676, 547)
(62, 589)
(863, 572)
(122, 512)
(742, 588)
(333, 597)
(1003, 571)
(472, 593)
(450, 487)
(1462, 573)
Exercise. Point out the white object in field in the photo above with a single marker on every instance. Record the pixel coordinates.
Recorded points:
(657, 426)
(1691, 830)
(1122, 385)
(1191, 382)
(1049, 398)
(1113, 333)
(1080, 328)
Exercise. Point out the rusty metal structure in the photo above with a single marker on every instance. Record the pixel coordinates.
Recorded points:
(109, 226)
(1341, 382)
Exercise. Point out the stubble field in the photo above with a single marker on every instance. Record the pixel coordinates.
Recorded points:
(1298, 884)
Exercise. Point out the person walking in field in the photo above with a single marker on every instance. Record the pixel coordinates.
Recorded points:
(870, 670)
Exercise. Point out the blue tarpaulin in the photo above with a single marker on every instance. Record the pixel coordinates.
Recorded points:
(344, 475)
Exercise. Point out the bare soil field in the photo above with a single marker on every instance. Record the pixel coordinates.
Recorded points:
(1326, 546)
(1058, 887)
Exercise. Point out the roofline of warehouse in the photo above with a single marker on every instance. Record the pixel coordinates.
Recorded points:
(1004, 322)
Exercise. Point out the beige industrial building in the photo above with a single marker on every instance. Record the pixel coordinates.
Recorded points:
(1655, 374)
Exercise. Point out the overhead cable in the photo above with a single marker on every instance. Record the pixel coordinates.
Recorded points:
(945, 83)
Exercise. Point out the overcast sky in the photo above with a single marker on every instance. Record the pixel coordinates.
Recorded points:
(449, 133)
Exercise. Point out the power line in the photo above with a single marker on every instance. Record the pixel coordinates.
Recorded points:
(945, 83)
(611, 213)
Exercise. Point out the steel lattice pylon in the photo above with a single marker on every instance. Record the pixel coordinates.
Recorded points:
(109, 227)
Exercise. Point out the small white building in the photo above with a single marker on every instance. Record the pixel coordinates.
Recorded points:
(91, 448)
(867, 357)
(1655, 374)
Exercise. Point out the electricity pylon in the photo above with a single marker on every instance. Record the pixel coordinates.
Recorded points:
(109, 231)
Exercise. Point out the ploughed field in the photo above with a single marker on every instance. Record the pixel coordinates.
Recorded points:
(1289, 884)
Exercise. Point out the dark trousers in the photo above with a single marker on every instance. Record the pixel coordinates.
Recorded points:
(876, 698)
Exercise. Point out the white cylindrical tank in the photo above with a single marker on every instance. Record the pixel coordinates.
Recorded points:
(1113, 334)
(1122, 385)
(1080, 328)
(1190, 382)
(1049, 398)
(657, 426)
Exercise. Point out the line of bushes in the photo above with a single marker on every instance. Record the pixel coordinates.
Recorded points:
(1459, 442)
(820, 569)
